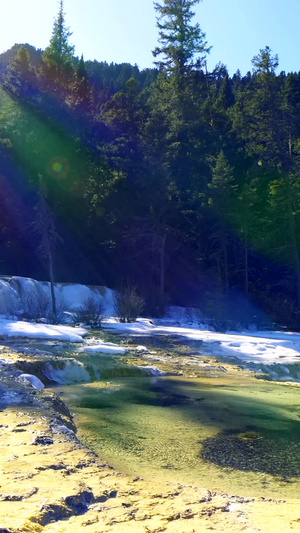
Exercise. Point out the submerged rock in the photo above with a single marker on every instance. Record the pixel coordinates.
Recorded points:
(251, 451)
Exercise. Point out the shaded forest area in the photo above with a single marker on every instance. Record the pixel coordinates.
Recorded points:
(179, 181)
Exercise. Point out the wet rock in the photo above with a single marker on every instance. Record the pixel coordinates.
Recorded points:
(79, 502)
(59, 407)
(23, 424)
(56, 466)
(106, 495)
(52, 513)
(43, 440)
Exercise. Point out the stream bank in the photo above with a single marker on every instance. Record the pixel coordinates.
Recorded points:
(51, 482)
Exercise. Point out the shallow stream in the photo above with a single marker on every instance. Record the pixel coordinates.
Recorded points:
(226, 431)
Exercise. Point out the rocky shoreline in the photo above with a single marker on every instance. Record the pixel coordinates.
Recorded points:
(51, 482)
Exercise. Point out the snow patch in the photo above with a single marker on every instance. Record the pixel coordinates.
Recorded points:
(152, 370)
(10, 397)
(103, 347)
(33, 380)
(9, 328)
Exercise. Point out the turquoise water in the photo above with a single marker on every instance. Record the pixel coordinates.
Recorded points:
(238, 435)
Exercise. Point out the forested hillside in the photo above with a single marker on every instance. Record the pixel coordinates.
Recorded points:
(179, 181)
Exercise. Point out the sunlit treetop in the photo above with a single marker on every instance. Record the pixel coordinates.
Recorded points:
(264, 62)
(58, 56)
(180, 40)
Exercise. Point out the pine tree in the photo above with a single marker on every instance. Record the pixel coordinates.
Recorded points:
(264, 62)
(20, 79)
(263, 120)
(175, 95)
(82, 93)
(58, 56)
(180, 40)
(222, 191)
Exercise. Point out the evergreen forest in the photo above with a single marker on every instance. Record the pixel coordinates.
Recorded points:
(180, 182)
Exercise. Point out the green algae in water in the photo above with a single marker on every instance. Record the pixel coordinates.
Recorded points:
(251, 451)
(240, 438)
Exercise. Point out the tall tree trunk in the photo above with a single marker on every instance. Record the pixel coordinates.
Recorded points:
(52, 289)
(162, 267)
(246, 262)
(225, 256)
(293, 240)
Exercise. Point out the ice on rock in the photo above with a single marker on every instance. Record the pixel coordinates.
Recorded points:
(152, 370)
(33, 380)
(103, 347)
(72, 371)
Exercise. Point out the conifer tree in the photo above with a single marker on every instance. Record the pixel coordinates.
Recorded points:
(81, 89)
(263, 122)
(20, 79)
(58, 56)
(174, 94)
(180, 40)
(222, 191)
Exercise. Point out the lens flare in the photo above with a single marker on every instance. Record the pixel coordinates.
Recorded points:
(58, 167)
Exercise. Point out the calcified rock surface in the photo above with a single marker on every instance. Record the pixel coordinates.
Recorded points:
(50, 482)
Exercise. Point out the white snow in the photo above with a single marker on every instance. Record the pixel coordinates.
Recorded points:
(275, 352)
(104, 347)
(11, 328)
(152, 370)
(74, 296)
(10, 397)
(33, 380)
(18, 293)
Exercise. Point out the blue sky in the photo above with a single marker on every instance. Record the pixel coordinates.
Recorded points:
(125, 30)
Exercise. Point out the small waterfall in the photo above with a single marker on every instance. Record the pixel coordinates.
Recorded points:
(278, 372)
(66, 372)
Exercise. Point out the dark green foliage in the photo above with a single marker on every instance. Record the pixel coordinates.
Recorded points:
(9, 55)
(21, 77)
(180, 40)
(57, 65)
(183, 181)
(221, 198)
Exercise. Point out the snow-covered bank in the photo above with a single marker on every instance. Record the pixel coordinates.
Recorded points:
(276, 353)
(19, 295)
(30, 330)
(258, 347)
